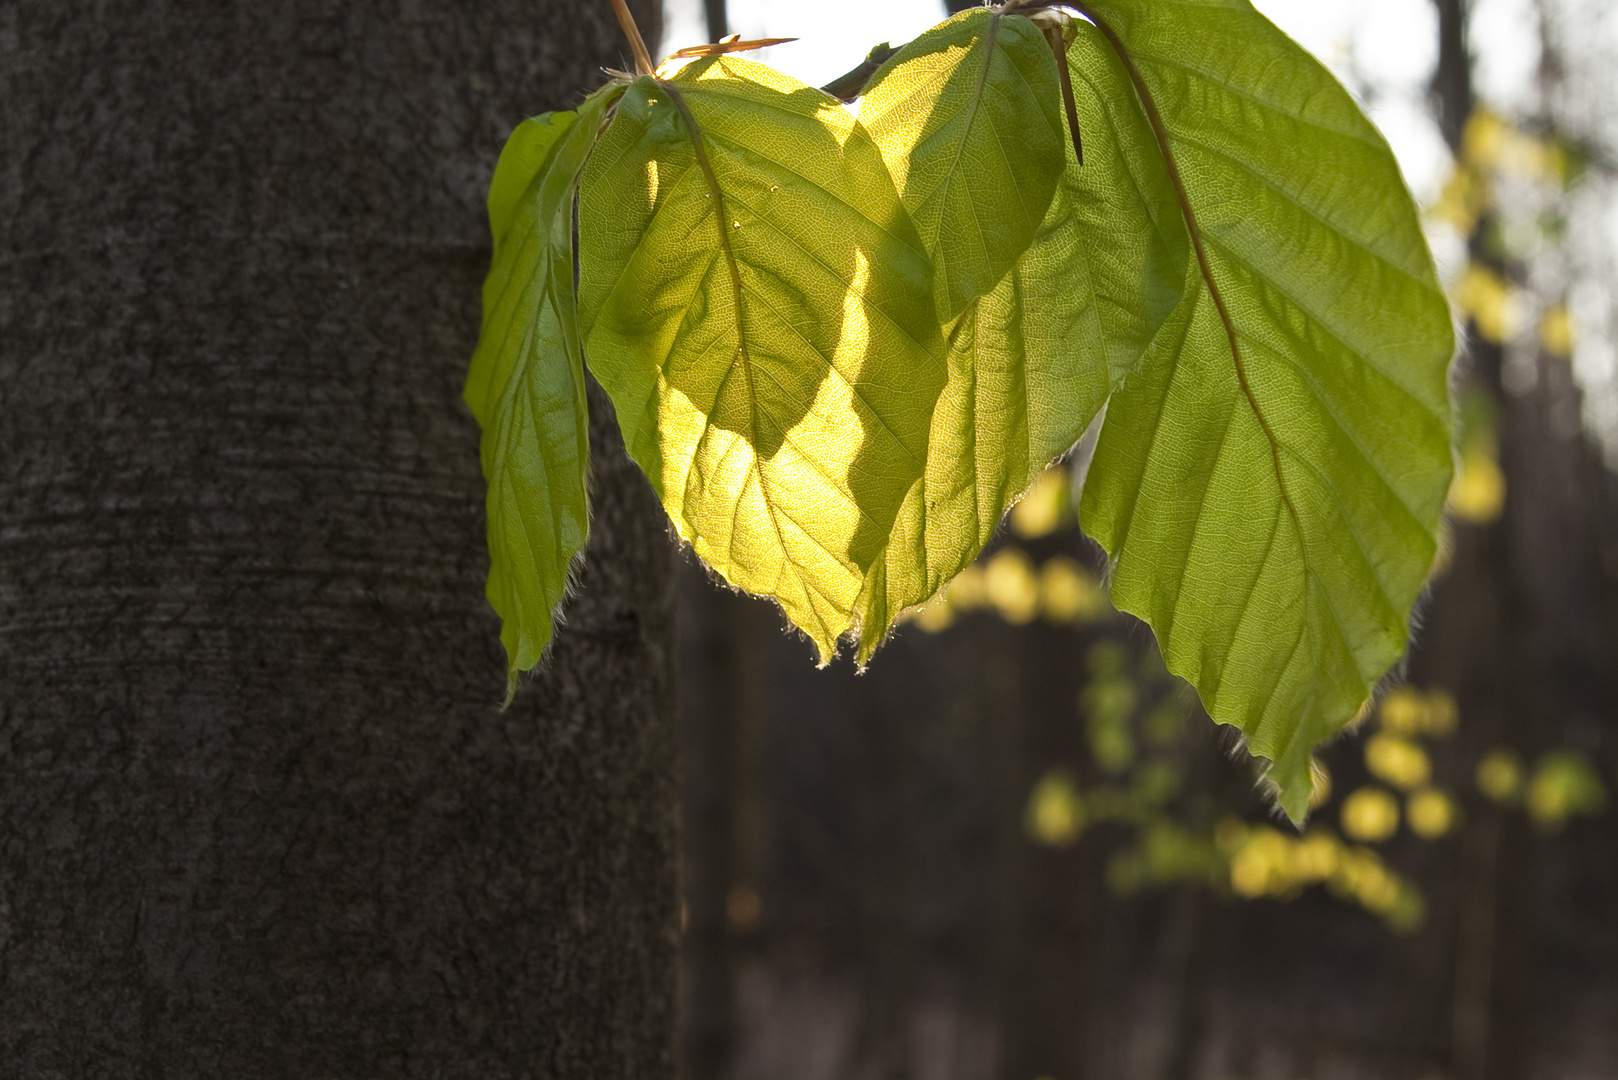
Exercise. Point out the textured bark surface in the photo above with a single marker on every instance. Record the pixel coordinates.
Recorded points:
(260, 814)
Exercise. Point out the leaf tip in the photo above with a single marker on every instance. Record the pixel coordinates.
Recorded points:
(1290, 788)
(867, 648)
(1293, 801)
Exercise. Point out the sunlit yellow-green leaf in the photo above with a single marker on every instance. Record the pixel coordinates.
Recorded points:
(1270, 480)
(1031, 361)
(526, 384)
(969, 123)
(759, 306)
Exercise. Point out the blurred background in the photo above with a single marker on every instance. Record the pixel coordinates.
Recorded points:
(1016, 848)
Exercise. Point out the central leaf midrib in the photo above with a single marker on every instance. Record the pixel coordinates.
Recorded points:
(1329, 410)
(720, 217)
(710, 177)
(971, 119)
(1160, 133)
(871, 309)
(1292, 199)
(1337, 338)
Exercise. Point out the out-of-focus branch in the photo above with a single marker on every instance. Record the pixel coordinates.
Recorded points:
(1451, 87)
(714, 12)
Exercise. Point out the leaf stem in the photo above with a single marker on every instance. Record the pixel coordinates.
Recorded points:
(637, 44)
(744, 359)
(1053, 35)
(732, 44)
(700, 152)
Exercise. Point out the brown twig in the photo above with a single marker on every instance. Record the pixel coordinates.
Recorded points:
(1058, 44)
(637, 44)
(729, 45)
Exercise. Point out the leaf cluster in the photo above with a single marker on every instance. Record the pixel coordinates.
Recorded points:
(840, 346)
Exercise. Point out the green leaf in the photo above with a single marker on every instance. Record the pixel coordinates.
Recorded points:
(1109, 265)
(1270, 481)
(526, 383)
(969, 123)
(1031, 362)
(756, 302)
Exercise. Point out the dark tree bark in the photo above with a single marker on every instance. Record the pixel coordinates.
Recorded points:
(260, 814)
(723, 638)
(1452, 78)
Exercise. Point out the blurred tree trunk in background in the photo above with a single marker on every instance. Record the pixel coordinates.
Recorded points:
(260, 814)
(1521, 629)
(1452, 77)
(723, 636)
(713, 12)
(1045, 921)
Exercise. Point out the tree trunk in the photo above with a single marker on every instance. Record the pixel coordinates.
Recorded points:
(1520, 627)
(723, 636)
(260, 814)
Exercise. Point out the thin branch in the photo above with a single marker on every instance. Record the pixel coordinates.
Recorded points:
(1053, 35)
(729, 45)
(849, 85)
(637, 45)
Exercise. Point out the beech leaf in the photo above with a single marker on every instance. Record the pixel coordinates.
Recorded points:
(758, 305)
(1032, 361)
(526, 381)
(969, 123)
(1269, 482)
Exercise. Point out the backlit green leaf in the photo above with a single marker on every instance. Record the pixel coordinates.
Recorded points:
(758, 305)
(968, 119)
(1031, 362)
(526, 383)
(1269, 482)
